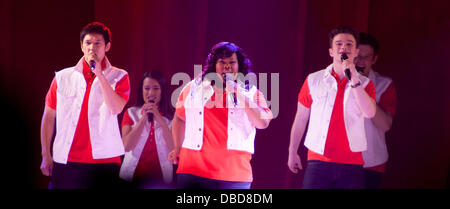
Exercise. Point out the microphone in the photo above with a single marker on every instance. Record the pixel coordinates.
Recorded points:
(229, 78)
(92, 62)
(150, 115)
(348, 74)
(347, 70)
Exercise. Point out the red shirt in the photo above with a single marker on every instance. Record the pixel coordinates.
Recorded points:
(148, 166)
(388, 100)
(81, 149)
(337, 149)
(215, 160)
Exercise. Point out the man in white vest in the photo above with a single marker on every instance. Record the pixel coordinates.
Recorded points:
(85, 100)
(336, 101)
(376, 155)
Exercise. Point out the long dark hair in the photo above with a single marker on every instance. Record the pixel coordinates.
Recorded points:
(225, 50)
(164, 104)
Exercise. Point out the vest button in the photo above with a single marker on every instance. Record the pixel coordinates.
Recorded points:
(200, 113)
(199, 129)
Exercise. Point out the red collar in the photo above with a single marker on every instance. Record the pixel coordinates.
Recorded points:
(342, 82)
(334, 74)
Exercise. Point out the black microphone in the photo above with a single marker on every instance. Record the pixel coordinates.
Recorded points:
(150, 115)
(228, 77)
(347, 70)
(92, 62)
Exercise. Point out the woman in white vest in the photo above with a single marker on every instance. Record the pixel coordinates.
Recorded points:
(147, 137)
(214, 127)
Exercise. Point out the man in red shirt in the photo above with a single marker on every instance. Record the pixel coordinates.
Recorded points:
(84, 102)
(336, 101)
(376, 155)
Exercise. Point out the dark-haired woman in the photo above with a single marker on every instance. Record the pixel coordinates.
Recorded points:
(147, 136)
(214, 127)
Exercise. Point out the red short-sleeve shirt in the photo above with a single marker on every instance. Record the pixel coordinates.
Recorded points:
(337, 148)
(214, 160)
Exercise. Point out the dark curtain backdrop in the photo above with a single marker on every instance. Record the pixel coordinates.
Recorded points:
(288, 37)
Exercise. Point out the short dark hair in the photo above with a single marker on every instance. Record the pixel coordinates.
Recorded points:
(343, 29)
(96, 27)
(367, 39)
(225, 50)
(164, 104)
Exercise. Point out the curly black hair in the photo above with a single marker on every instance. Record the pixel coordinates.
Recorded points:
(225, 50)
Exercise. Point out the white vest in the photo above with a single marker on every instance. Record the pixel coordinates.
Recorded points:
(241, 133)
(323, 89)
(131, 158)
(103, 127)
(376, 153)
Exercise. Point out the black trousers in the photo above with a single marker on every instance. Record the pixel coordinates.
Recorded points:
(326, 175)
(373, 179)
(84, 176)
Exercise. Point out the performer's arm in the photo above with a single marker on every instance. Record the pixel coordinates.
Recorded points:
(113, 101)
(178, 128)
(365, 102)
(259, 117)
(386, 109)
(130, 135)
(382, 119)
(47, 130)
(297, 131)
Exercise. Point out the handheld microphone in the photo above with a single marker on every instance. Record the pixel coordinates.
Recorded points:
(150, 115)
(92, 62)
(347, 70)
(229, 78)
